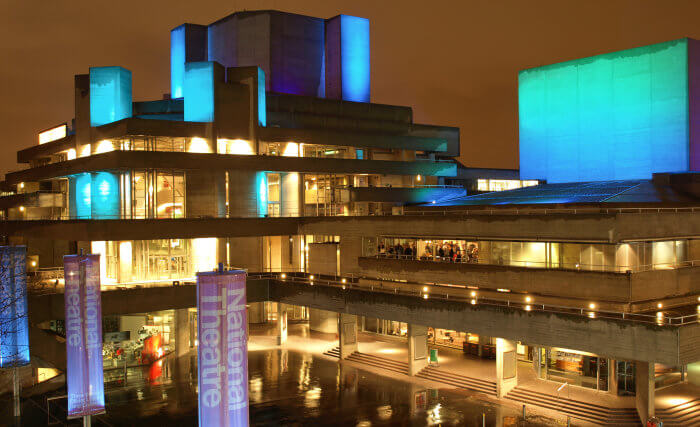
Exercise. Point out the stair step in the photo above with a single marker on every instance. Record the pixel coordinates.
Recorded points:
(383, 359)
(457, 376)
(592, 406)
(597, 418)
(475, 387)
(575, 406)
(464, 382)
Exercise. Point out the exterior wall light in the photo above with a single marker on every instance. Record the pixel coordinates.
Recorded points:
(591, 306)
(343, 280)
(425, 289)
(528, 299)
(311, 277)
(473, 293)
(21, 208)
(284, 276)
(659, 305)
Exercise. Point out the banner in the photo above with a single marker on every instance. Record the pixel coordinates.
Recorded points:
(83, 320)
(14, 327)
(223, 349)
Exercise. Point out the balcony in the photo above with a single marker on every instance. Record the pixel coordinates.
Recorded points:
(564, 283)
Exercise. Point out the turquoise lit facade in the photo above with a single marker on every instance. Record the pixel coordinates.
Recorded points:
(199, 91)
(177, 61)
(83, 195)
(262, 104)
(104, 197)
(261, 185)
(110, 95)
(355, 58)
(621, 115)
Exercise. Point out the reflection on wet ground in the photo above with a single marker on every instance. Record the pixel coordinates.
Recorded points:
(288, 387)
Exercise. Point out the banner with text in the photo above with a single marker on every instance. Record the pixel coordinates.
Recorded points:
(223, 349)
(14, 330)
(83, 325)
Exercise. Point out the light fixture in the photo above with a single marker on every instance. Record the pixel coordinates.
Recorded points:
(528, 307)
(343, 286)
(473, 293)
(21, 208)
(311, 277)
(418, 178)
(33, 263)
(659, 314)
(284, 276)
(503, 290)
(591, 306)
(21, 185)
(528, 299)
(343, 280)
(425, 289)
(473, 302)
(425, 296)
(659, 305)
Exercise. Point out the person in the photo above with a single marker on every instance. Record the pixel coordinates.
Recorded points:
(408, 252)
(458, 255)
(452, 253)
(441, 252)
(474, 253)
(428, 251)
(399, 250)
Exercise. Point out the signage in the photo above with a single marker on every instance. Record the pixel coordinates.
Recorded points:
(84, 376)
(53, 134)
(223, 348)
(14, 330)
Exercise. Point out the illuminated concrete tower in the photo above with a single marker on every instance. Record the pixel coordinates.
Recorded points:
(299, 55)
(620, 115)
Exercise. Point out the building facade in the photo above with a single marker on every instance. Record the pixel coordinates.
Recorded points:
(269, 155)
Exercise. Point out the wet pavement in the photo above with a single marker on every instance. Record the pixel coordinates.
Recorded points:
(287, 387)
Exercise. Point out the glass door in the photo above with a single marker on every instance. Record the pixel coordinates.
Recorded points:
(625, 378)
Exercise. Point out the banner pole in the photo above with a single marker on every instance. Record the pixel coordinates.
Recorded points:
(16, 391)
(87, 421)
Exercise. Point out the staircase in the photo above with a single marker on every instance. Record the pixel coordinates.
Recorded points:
(686, 414)
(428, 373)
(460, 381)
(590, 412)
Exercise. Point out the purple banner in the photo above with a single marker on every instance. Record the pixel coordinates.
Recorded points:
(223, 349)
(14, 330)
(84, 374)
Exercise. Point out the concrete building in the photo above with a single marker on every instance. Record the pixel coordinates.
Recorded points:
(269, 155)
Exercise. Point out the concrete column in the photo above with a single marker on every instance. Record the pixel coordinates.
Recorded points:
(417, 348)
(323, 321)
(644, 388)
(537, 360)
(182, 332)
(693, 373)
(506, 366)
(612, 377)
(347, 334)
(281, 324)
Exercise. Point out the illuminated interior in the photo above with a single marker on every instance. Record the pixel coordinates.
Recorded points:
(633, 256)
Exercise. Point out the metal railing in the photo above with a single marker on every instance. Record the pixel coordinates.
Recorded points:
(602, 268)
(419, 290)
(448, 293)
(535, 210)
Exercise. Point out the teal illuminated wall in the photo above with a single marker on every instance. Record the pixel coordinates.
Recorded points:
(177, 61)
(110, 95)
(622, 115)
(104, 195)
(199, 91)
(82, 197)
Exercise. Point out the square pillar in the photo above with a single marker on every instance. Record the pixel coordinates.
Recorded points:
(506, 366)
(182, 332)
(347, 334)
(537, 360)
(612, 377)
(417, 348)
(281, 324)
(644, 388)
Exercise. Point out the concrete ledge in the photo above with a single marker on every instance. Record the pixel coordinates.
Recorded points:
(617, 339)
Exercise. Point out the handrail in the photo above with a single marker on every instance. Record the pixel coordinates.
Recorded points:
(536, 210)
(354, 281)
(600, 268)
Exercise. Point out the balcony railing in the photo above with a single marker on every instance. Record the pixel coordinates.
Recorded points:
(545, 265)
(665, 317)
